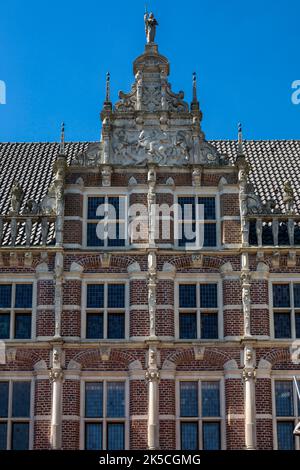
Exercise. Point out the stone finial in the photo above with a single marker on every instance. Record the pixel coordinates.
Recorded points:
(62, 139)
(195, 102)
(107, 87)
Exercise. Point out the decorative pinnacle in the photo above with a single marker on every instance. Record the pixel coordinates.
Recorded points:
(62, 139)
(194, 87)
(107, 93)
(240, 139)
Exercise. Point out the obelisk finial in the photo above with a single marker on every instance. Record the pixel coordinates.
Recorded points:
(62, 139)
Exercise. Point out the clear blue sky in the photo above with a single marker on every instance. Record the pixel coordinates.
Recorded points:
(54, 56)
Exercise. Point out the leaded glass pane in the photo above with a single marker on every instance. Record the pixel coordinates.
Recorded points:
(297, 321)
(4, 325)
(22, 325)
(209, 207)
(95, 296)
(209, 326)
(210, 235)
(23, 296)
(285, 435)
(115, 436)
(210, 399)
(3, 436)
(20, 436)
(297, 295)
(211, 436)
(94, 399)
(282, 324)
(189, 436)
(284, 398)
(187, 296)
(115, 399)
(4, 386)
(93, 436)
(5, 296)
(281, 295)
(94, 325)
(21, 399)
(187, 206)
(116, 296)
(116, 326)
(189, 399)
(93, 204)
(188, 325)
(208, 295)
(91, 234)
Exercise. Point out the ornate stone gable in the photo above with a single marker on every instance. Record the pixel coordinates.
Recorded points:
(151, 123)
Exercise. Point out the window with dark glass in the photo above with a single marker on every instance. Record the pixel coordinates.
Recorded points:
(286, 310)
(105, 311)
(15, 403)
(287, 409)
(198, 311)
(15, 311)
(106, 216)
(197, 222)
(105, 415)
(200, 415)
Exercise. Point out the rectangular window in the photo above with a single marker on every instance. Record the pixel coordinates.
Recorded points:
(286, 310)
(198, 311)
(287, 413)
(15, 311)
(15, 404)
(196, 214)
(105, 415)
(105, 311)
(200, 415)
(106, 221)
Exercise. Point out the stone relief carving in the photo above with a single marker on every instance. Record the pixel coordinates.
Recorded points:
(90, 157)
(16, 197)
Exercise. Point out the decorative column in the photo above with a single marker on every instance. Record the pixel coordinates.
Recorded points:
(58, 292)
(56, 377)
(246, 299)
(151, 198)
(152, 376)
(249, 374)
(243, 168)
(152, 282)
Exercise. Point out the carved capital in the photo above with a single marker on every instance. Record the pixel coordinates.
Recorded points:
(56, 375)
(249, 374)
(152, 375)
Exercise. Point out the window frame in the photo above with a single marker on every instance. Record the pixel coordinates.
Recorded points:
(200, 279)
(103, 280)
(109, 192)
(196, 194)
(10, 419)
(292, 310)
(5, 280)
(207, 377)
(100, 377)
(293, 419)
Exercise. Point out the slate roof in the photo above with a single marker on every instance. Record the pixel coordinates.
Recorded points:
(272, 162)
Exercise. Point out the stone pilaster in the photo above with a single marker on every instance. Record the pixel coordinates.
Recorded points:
(152, 376)
(56, 377)
(249, 374)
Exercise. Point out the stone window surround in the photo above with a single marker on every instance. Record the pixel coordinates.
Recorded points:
(199, 278)
(283, 278)
(102, 278)
(99, 377)
(6, 278)
(281, 376)
(200, 377)
(17, 377)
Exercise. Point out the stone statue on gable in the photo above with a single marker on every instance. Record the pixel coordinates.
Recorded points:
(150, 27)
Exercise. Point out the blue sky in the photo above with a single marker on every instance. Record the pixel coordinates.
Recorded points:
(54, 56)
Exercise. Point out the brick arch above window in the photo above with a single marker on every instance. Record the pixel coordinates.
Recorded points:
(105, 262)
(107, 360)
(197, 355)
(198, 262)
(27, 359)
(276, 357)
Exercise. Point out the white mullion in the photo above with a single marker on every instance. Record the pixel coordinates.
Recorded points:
(127, 311)
(105, 311)
(82, 415)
